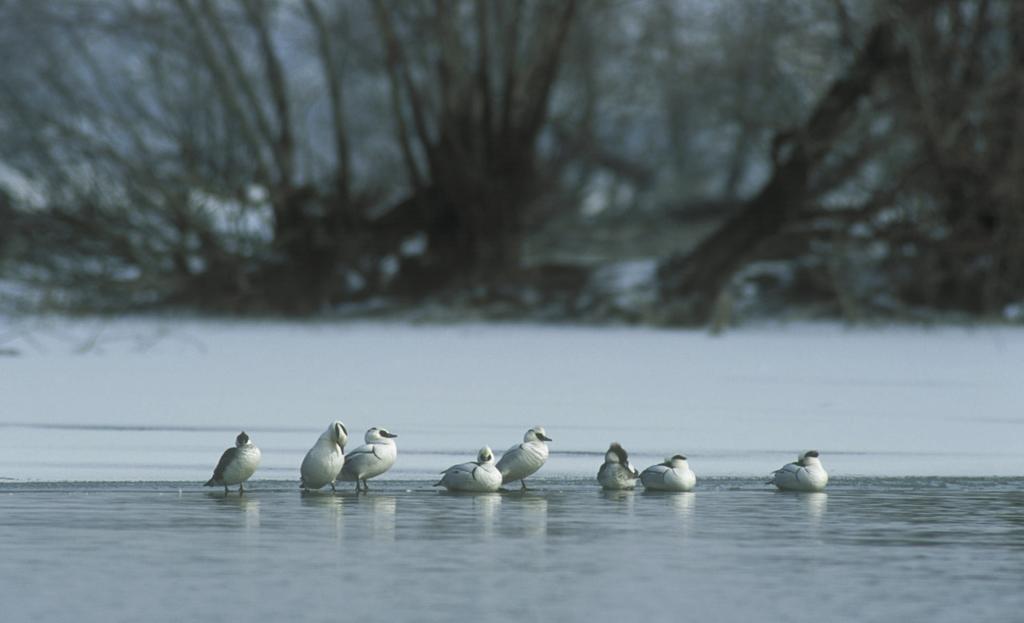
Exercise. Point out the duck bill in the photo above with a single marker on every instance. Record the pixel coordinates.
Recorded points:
(388, 435)
(544, 437)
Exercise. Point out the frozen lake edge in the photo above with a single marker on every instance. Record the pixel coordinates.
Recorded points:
(159, 399)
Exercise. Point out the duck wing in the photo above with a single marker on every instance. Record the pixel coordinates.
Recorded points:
(357, 461)
(789, 470)
(225, 460)
(512, 454)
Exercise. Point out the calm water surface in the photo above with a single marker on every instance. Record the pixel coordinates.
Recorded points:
(886, 549)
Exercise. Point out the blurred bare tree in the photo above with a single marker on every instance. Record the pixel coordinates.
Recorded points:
(471, 85)
(168, 140)
(901, 187)
(859, 158)
(964, 95)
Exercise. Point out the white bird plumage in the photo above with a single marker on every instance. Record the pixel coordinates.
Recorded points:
(480, 475)
(806, 474)
(524, 459)
(617, 472)
(236, 464)
(672, 475)
(370, 460)
(325, 459)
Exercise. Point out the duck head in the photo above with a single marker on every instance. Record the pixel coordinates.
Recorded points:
(338, 433)
(376, 434)
(537, 433)
(675, 461)
(809, 457)
(485, 456)
(616, 454)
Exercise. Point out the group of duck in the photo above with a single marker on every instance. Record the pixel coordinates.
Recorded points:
(326, 463)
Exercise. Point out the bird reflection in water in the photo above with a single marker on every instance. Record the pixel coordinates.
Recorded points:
(816, 504)
(487, 506)
(532, 512)
(382, 516)
(247, 506)
(332, 505)
(624, 497)
(251, 513)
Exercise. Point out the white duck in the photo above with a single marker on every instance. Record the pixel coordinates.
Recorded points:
(672, 475)
(480, 475)
(617, 472)
(522, 460)
(370, 460)
(325, 459)
(806, 474)
(236, 465)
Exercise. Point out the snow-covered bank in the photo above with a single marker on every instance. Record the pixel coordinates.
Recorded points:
(158, 399)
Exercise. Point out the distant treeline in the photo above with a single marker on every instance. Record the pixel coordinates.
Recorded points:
(287, 157)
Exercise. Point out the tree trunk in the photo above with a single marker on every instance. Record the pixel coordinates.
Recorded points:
(695, 280)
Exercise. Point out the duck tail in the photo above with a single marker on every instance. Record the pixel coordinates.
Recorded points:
(211, 483)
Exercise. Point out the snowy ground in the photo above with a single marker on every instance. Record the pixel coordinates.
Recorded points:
(153, 399)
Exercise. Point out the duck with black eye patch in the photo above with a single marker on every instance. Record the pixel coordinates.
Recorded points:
(806, 474)
(479, 476)
(674, 474)
(370, 460)
(524, 459)
(617, 473)
(236, 465)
